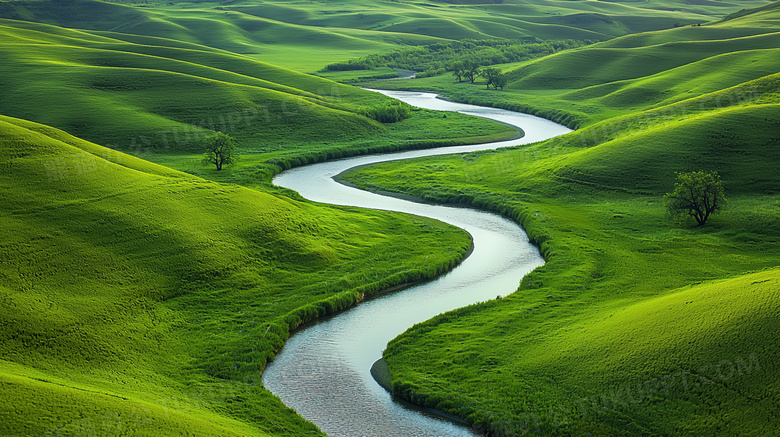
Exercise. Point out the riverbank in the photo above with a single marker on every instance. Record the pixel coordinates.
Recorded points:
(635, 322)
(138, 295)
(335, 357)
(380, 371)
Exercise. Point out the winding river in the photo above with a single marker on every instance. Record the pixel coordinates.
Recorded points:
(323, 372)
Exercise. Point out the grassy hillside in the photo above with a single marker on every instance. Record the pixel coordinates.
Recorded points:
(627, 298)
(306, 36)
(159, 98)
(637, 324)
(139, 299)
(113, 91)
(589, 84)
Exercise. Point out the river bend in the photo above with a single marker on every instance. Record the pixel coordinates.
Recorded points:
(323, 372)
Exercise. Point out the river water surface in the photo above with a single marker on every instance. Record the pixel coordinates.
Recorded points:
(323, 372)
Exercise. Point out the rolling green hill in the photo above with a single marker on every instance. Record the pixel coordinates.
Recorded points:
(108, 90)
(637, 324)
(628, 299)
(631, 73)
(159, 98)
(139, 299)
(306, 36)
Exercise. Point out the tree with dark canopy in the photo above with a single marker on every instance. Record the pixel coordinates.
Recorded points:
(471, 70)
(499, 81)
(220, 150)
(490, 74)
(697, 194)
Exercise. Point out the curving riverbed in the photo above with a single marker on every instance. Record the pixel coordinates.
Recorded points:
(323, 372)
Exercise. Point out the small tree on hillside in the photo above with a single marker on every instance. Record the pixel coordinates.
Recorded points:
(490, 74)
(471, 70)
(499, 81)
(457, 70)
(697, 194)
(220, 149)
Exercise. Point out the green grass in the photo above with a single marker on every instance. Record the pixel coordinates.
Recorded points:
(636, 324)
(157, 96)
(306, 36)
(628, 74)
(139, 299)
(143, 300)
(153, 98)
(700, 357)
(597, 213)
(422, 130)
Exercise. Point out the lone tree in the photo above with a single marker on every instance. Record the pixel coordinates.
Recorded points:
(220, 149)
(697, 194)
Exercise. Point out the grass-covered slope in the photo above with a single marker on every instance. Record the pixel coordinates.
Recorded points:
(159, 98)
(137, 299)
(153, 94)
(700, 360)
(631, 73)
(637, 324)
(307, 36)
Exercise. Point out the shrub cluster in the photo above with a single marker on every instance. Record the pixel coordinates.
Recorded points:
(438, 58)
(389, 112)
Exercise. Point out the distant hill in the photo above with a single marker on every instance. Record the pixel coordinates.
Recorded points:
(306, 36)
(654, 69)
(136, 93)
(585, 85)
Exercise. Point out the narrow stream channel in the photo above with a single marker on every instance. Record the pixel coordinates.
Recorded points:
(323, 372)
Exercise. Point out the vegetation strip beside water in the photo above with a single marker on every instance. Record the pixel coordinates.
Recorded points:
(455, 57)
